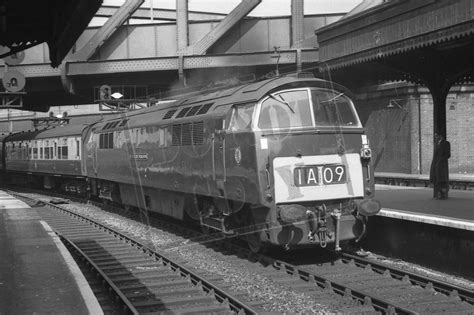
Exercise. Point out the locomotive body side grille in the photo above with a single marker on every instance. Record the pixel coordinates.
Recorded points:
(204, 109)
(170, 114)
(186, 134)
(198, 133)
(183, 112)
(193, 110)
(176, 135)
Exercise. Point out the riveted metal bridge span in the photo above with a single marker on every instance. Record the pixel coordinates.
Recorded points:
(174, 49)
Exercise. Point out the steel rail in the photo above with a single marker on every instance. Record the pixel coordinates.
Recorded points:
(127, 303)
(440, 286)
(220, 295)
(342, 289)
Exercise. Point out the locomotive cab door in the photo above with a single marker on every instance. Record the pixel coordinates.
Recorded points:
(218, 156)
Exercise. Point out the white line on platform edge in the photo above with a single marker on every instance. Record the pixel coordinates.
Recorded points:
(431, 219)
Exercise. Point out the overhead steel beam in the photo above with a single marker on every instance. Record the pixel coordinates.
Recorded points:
(120, 16)
(181, 35)
(182, 24)
(99, 38)
(297, 26)
(228, 22)
(161, 14)
(190, 62)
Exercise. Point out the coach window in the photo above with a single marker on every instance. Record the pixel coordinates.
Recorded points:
(65, 150)
(46, 149)
(62, 149)
(35, 150)
(242, 117)
(41, 150)
(20, 150)
(78, 148)
(55, 148)
(289, 109)
(111, 140)
(51, 149)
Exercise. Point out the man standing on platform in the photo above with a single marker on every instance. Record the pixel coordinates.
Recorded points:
(439, 172)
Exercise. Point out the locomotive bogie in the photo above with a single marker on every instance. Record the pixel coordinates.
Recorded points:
(168, 203)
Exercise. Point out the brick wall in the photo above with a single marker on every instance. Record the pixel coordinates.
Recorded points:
(395, 132)
(460, 128)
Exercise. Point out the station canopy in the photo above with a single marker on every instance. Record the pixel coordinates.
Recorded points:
(59, 23)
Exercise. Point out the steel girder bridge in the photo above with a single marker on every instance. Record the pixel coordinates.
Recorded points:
(169, 49)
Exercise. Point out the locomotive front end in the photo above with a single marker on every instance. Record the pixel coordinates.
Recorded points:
(316, 170)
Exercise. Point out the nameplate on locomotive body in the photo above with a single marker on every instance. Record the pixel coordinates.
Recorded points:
(139, 156)
(320, 175)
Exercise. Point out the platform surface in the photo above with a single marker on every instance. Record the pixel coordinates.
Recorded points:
(417, 204)
(37, 273)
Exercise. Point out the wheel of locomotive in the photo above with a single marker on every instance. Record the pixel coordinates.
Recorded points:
(253, 239)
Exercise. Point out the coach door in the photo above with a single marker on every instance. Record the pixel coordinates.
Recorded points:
(218, 158)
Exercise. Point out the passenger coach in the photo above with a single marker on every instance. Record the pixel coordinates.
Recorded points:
(50, 158)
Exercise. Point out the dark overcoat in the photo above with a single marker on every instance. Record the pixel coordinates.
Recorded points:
(439, 172)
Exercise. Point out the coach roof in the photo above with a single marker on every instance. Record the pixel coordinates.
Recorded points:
(57, 132)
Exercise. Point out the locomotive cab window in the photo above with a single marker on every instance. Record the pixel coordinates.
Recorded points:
(302, 108)
(332, 108)
(286, 110)
(242, 116)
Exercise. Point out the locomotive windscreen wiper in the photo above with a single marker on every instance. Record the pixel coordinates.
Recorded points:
(333, 99)
(282, 100)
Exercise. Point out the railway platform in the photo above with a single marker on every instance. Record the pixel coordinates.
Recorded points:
(37, 273)
(418, 205)
(435, 233)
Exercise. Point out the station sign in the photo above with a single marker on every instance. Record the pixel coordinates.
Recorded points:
(13, 81)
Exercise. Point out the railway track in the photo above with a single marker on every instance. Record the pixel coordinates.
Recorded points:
(387, 289)
(141, 279)
(353, 283)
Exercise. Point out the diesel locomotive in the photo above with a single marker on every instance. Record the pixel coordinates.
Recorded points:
(283, 161)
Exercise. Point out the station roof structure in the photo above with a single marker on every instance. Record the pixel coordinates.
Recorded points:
(429, 42)
(59, 23)
(397, 38)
